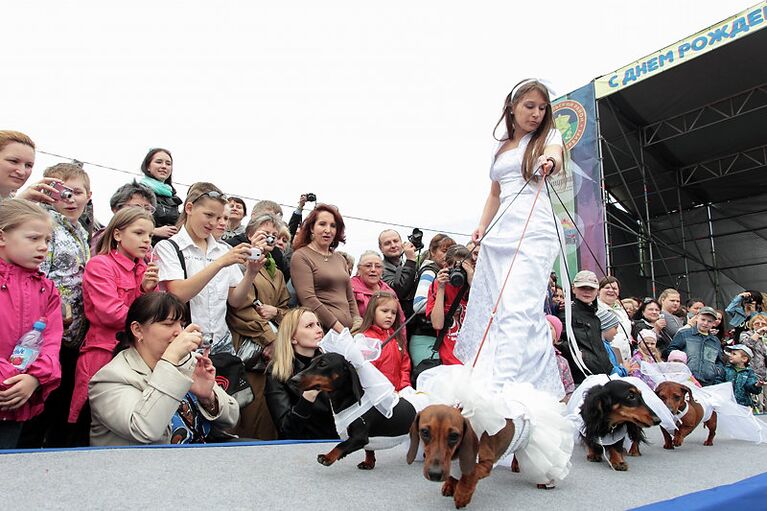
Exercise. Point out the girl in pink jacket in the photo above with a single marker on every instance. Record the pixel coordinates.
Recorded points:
(113, 279)
(25, 296)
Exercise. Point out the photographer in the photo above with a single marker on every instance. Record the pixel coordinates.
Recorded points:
(255, 323)
(742, 307)
(297, 217)
(443, 292)
(399, 274)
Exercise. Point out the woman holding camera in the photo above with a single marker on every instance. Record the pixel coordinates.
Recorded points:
(320, 275)
(517, 346)
(442, 296)
(157, 390)
(254, 327)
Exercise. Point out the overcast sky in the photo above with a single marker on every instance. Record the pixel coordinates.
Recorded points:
(383, 109)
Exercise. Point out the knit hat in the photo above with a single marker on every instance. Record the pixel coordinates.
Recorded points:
(556, 323)
(607, 318)
(741, 347)
(647, 334)
(677, 356)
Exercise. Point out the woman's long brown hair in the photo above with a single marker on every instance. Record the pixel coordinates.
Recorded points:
(538, 141)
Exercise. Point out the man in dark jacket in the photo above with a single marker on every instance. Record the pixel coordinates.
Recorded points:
(586, 328)
(399, 274)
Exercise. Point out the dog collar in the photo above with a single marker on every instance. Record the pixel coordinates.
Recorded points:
(683, 412)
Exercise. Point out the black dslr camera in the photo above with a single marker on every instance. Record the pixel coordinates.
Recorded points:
(310, 197)
(457, 275)
(416, 239)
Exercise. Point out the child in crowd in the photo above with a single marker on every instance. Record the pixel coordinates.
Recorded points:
(680, 357)
(609, 321)
(564, 368)
(442, 295)
(647, 352)
(25, 296)
(203, 272)
(380, 321)
(113, 279)
(743, 378)
(68, 253)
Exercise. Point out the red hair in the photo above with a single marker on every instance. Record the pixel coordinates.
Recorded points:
(304, 235)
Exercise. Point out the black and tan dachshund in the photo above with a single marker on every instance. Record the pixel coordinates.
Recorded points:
(605, 410)
(332, 373)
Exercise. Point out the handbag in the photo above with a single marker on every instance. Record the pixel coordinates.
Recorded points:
(433, 360)
(230, 376)
(251, 353)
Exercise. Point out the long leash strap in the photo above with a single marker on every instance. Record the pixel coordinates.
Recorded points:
(508, 273)
(572, 343)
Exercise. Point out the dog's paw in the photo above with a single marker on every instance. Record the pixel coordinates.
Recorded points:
(448, 487)
(621, 466)
(546, 486)
(668, 446)
(634, 451)
(708, 443)
(594, 457)
(515, 465)
(324, 460)
(364, 465)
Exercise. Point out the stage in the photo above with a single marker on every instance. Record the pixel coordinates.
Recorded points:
(287, 476)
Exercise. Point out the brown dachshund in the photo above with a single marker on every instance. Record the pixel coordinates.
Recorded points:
(447, 436)
(688, 412)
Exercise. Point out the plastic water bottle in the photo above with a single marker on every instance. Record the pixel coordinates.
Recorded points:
(28, 347)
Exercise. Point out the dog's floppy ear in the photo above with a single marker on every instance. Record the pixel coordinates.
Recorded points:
(467, 451)
(357, 389)
(595, 411)
(415, 440)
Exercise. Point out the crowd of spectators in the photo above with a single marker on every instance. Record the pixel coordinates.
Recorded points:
(141, 315)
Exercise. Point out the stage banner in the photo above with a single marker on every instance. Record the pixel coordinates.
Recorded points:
(579, 187)
(735, 27)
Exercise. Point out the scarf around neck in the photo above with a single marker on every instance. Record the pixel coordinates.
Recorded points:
(270, 265)
(158, 187)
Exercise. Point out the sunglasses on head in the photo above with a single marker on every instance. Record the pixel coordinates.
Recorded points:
(212, 195)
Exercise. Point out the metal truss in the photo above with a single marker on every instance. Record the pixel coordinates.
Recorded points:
(708, 115)
(743, 161)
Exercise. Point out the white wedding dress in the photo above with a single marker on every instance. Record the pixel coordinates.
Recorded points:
(518, 346)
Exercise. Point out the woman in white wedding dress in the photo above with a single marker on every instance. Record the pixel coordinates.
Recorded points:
(518, 346)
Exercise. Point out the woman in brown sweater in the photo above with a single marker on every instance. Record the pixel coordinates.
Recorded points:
(319, 275)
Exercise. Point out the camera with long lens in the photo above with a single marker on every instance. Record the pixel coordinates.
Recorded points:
(457, 275)
(416, 238)
(310, 197)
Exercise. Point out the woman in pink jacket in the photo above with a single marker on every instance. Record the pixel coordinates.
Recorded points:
(113, 279)
(25, 297)
(369, 280)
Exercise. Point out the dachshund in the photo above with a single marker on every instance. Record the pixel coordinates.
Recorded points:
(607, 409)
(332, 373)
(679, 400)
(448, 436)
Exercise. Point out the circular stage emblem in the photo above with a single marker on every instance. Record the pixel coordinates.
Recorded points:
(570, 120)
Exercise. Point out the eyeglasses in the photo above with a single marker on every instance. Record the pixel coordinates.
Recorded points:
(212, 195)
(146, 207)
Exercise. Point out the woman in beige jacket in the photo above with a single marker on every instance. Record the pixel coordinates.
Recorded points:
(158, 390)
